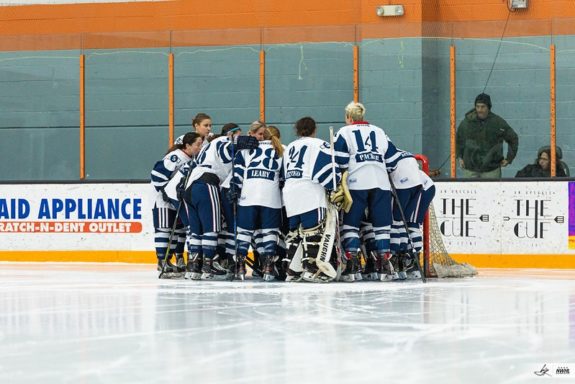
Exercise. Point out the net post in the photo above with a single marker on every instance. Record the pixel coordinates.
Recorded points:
(426, 270)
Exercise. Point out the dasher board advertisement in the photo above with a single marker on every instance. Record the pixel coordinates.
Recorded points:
(76, 217)
(505, 217)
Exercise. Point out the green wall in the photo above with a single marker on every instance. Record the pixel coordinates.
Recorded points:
(404, 84)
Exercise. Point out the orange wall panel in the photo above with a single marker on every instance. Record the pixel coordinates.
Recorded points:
(461, 18)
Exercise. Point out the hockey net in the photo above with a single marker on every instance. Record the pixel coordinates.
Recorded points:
(436, 259)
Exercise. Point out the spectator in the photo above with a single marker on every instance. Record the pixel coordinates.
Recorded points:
(480, 139)
(542, 165)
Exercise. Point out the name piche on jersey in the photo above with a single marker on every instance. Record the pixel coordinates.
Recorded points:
(363, 157)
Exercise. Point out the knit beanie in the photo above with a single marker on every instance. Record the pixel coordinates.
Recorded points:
(484, 99)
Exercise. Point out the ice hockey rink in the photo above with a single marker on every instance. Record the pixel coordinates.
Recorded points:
(117, 323)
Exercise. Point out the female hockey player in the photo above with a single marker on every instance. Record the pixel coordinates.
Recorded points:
(257, 176)
(404, 176)
(308, 174)
(362, 150)
(203, 202)
(164, 212)
(202, 124)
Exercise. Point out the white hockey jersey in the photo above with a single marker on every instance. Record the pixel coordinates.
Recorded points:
(257, 174)
(362, 149)
(216, 158)
(403, 170)
(426, 181)
(163, 171)
(308, 172)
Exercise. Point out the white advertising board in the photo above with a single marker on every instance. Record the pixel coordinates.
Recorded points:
(69, 217)
(474, 217)
(504, 217)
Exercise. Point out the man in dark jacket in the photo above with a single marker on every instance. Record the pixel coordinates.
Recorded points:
(480, 138)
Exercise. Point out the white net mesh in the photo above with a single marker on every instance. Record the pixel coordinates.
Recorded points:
(440, 263)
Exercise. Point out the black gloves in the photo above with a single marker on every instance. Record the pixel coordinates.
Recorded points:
(246, 142)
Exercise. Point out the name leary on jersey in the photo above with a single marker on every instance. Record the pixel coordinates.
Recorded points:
(260, 174)
(73, 208)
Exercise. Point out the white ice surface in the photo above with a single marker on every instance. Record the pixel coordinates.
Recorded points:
(117, 323)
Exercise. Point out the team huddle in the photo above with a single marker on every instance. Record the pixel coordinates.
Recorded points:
(313, 211)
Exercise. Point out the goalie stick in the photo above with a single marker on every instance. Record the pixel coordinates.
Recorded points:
(340, 257)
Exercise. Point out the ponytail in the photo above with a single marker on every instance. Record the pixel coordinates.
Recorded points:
(276, 142)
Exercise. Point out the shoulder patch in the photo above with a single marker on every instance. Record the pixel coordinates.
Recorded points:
(174, 158)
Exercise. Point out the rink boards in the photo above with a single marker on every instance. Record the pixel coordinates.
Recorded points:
(488, 224)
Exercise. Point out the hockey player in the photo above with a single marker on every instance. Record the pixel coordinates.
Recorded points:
(308, 175)
(202, 124)
(427, 192)
(404, 175)
(173, 191)
(284, 227)
(257, 176)
(227, 237)
(164, 211)
(203, 202)
(362, 150)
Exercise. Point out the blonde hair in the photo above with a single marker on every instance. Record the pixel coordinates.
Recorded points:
(256, 125)
(355, 111)
(275, 131)
(270, 134)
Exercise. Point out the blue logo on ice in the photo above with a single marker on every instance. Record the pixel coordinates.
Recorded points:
(544, 371)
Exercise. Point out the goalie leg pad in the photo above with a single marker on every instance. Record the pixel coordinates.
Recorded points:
(318, 244)
(327, 243)
(292, 263)
(310, 240)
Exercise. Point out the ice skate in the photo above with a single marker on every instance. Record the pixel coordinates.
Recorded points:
(309, 270)
(269, 269)
(170, 271)
(399, 266)
(213, 270)
(194, 267)
(207, 269)
(293, 276)
(385, 268)
(410, 268)
(241, 268)
(180, 263)
(350, 270)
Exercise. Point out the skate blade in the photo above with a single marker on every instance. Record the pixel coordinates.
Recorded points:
(241, 277)
(193, 276)
(269, 278)
(386, 278)
(347, 278)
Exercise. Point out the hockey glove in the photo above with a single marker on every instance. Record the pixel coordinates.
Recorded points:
(180, 190)
(342, 197)
(165, 196)
(246, 142)
(233, 193)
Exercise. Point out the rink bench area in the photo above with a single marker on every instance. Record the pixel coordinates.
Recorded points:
(118, 323)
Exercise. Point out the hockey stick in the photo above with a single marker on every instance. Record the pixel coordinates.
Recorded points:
(337, 244)
(235, 214)
(416, 257)
(170, 242)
